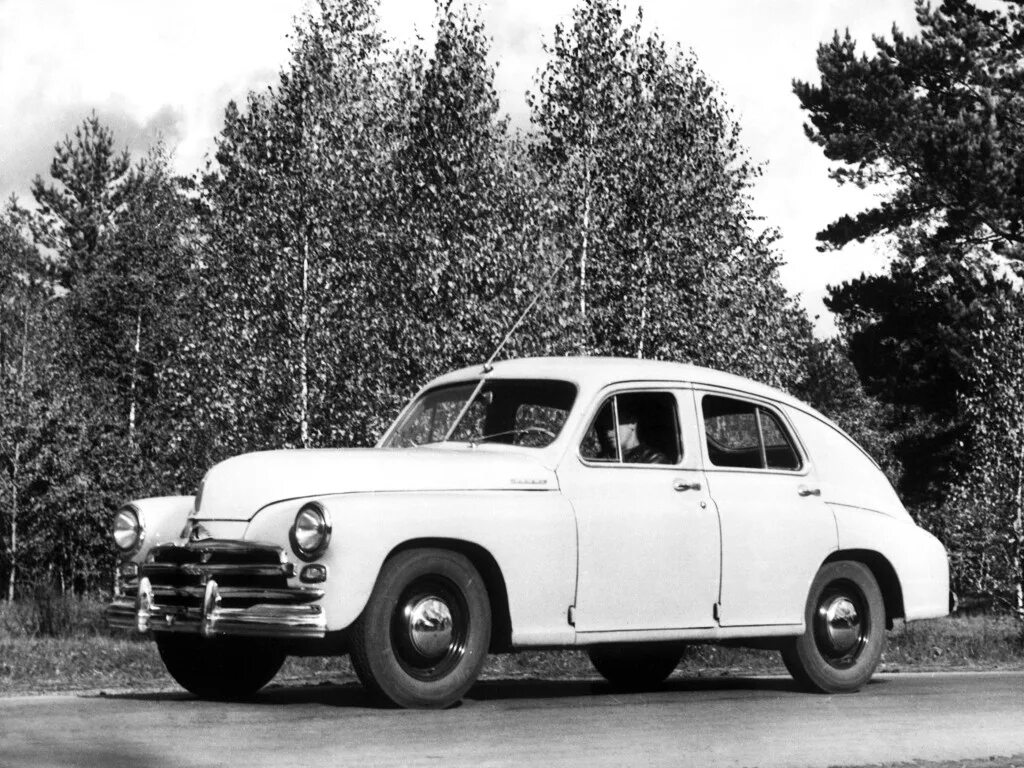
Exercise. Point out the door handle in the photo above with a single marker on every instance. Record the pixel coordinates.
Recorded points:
(682, 485)
(803, 490)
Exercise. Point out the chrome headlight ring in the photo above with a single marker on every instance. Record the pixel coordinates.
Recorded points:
(129, 530)
(310, 534)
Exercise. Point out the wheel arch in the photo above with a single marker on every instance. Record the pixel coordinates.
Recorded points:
(494, 581)
(885, 575)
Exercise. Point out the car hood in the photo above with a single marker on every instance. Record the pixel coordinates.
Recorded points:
(238, 488)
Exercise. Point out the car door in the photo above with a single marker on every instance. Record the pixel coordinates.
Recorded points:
(648, 539)
(776, 530)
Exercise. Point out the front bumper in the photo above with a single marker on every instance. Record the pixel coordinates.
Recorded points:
(220, 587)
(145, 613)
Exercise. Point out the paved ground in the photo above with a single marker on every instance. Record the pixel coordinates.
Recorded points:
(705, 722)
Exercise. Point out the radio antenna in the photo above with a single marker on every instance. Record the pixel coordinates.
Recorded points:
(488, 366)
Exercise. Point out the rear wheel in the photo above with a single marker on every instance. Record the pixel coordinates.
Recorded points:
(220, 668)
(635, 667)
(845, 634)
(424, 634)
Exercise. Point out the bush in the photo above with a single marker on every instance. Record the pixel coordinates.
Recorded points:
(49, 613)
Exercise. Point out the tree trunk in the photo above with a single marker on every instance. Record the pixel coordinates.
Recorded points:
(584, 247)
(644, 289)
(136, 348)
(304, 346)
(15, 470)
(13, 546)
(1018, 534)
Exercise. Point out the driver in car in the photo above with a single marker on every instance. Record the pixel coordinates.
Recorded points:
(634, 451)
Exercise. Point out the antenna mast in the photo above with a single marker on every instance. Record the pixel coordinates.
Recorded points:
(488, 366)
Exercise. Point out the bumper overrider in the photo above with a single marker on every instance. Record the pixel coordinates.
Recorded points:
(216, 587)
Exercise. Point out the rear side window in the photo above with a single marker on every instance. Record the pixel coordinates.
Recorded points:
(745, 435)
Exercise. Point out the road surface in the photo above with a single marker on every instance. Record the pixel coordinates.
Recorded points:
(754, 721)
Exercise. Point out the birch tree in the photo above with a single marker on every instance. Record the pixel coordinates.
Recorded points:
(466, 254)
(23, 293)
(985, 509)
(650, 184)
(294, 233)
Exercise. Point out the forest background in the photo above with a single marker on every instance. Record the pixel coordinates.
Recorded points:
(372, 220)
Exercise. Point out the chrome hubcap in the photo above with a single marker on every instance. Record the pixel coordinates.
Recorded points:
(430, 626)
(842, 624)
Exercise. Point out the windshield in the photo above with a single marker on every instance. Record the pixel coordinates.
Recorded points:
(526, 412)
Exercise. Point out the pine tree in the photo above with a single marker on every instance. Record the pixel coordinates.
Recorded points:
(935, 121)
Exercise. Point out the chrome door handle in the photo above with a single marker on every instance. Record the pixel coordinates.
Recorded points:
(682, 485)
(803, 490)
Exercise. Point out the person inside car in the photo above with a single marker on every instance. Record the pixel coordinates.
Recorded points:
(635, 451)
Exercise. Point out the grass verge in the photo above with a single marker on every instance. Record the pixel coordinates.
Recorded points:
(91, 658)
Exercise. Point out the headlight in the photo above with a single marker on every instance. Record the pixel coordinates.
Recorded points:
(128, 530)
(311, 532)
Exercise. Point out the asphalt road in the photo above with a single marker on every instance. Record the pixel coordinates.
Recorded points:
(706, 722)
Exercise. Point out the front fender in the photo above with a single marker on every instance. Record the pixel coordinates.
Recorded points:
(163, 518)
(530, 534)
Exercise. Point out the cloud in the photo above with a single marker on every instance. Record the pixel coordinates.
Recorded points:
(148, 69)
(42, 130)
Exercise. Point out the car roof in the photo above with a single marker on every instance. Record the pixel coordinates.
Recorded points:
(596, 372)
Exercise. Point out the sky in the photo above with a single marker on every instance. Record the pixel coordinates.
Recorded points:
(152, 68)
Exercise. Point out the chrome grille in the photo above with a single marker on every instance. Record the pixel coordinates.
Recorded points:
(246, 573)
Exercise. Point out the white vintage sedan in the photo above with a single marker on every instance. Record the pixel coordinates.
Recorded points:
(626, 507)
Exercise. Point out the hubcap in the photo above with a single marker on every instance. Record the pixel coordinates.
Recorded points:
(430, 626)
(840, 625)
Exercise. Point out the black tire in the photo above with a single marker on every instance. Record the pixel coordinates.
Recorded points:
(635, 668)
(845, 635)
(220, 668)
(424, 634)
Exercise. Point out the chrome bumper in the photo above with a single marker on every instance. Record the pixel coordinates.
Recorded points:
(272, 619)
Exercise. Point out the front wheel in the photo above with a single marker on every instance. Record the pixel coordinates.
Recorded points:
(424, 634)
(635, 668)
(220, 668)
(845, 630)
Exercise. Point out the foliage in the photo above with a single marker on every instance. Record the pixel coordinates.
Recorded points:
(367, 223)
(833, 387)
(292, 241)
(986, 506)
(465, 247)
(649, 184)
(936, 120)
(911, 337)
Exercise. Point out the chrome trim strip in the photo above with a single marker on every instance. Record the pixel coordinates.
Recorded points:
(295, 594)
(211, 569)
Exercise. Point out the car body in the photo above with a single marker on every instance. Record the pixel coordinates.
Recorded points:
(628, 507)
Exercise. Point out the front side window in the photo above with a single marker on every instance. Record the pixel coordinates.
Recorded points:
(522, 412)
(742, 434)
(634, 428)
